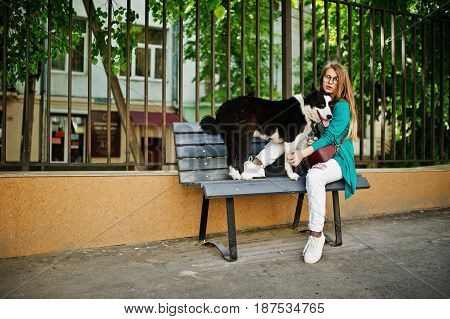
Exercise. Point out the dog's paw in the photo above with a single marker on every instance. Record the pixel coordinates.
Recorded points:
(246, 176)
(294, 176)
(234, 173)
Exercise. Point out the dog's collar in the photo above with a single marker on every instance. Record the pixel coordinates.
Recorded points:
(300, 99)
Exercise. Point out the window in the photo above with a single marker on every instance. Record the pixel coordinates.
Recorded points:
(59, 139)
(154, 55)
(78, 53)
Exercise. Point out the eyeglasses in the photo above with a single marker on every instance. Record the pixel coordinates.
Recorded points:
(329, 79)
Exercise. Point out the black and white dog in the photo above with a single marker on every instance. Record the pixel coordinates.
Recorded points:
(287, 121)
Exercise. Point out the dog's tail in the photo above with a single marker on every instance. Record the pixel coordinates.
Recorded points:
(209, 125)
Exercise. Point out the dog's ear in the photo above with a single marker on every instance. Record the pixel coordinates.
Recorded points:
(313, 88)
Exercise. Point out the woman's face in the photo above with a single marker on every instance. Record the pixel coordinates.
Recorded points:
(330, 81)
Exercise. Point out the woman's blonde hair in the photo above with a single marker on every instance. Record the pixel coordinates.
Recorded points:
(343, 92)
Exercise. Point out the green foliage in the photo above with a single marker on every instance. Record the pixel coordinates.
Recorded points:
(36, 18)
(188, 12)
(351, 56)
(34, 14)
(118, 37)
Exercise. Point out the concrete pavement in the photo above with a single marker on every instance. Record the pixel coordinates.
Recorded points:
(397, 256)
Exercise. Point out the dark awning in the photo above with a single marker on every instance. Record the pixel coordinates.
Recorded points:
(154, 118)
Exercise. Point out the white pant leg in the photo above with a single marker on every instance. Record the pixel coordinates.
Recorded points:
(318, 176)
(270, 153)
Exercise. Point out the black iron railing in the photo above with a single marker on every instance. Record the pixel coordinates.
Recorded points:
(398, 46)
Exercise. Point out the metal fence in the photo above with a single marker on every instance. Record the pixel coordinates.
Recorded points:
(412, 120)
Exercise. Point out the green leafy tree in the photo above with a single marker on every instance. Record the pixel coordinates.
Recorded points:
(29, 20)
(435, 8)
(187, 10)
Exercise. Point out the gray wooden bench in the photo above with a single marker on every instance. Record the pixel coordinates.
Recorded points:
(202, 163)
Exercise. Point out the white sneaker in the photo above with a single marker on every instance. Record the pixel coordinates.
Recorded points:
(313, 249)
(252, 170)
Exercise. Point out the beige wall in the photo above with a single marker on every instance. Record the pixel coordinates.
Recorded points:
(44, 212)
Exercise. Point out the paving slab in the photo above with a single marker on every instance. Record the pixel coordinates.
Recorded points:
(395, 256)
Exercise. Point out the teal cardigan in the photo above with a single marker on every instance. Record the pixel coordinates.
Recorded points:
(333, 134)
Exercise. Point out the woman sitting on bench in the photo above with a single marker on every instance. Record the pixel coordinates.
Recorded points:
(335, 81)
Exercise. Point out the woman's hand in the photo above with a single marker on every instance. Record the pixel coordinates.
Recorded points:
(312, 140)
(295, 157)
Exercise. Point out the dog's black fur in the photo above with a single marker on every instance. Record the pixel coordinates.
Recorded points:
(238, 119)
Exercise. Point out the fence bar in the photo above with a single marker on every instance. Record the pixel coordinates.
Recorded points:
(243, 47)
(286, 59)
(350, 42)
(383, 87)
(109, 84)
(180, 65)
(146, 67)
(257, 58)
(69, 88)
(422, 94)
(271, 62)
(314, 42)
(4, 79)
(361, 82)
(441, 94)
(213, 61)
(394, 85)
(302, 46)
(372, 87)
(128, 126)
(404, 87)
(164, 77)
(89, 118)
(47, 141)
(229, 50)
(413, 89)
(338, 31)
(433, 69)
(26, 119)
(197, 60)
(327, 40)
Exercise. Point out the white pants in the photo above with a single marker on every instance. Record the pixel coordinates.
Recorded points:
(316, 179)
(270, 153)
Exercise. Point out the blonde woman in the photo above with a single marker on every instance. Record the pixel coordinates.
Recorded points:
(335, 81)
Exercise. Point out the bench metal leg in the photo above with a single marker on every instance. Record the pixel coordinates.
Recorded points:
(337, 222)
(231, 229)
(298, 209)
(231, 253)
(204, 218)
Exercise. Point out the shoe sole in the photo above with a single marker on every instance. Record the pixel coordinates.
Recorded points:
(249, 176)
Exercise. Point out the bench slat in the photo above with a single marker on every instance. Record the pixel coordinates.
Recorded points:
(201, 151)
(218, 150)
(196, 178)
(268, 186)
(195, 139)
(202, 139)
(185, 127)
(193, 164)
